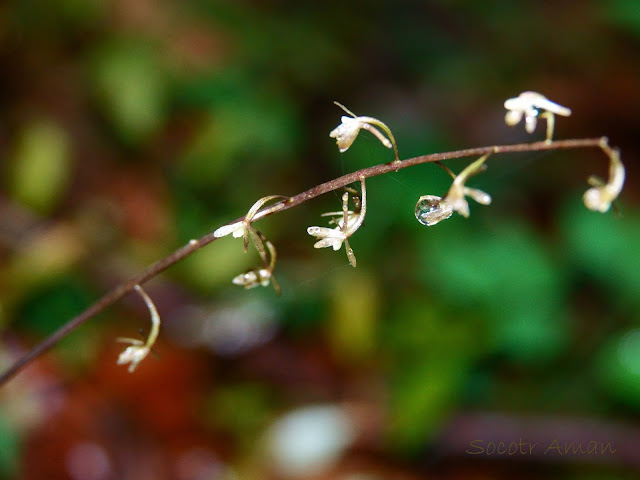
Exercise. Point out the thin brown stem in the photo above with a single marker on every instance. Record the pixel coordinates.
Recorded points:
(161, 265)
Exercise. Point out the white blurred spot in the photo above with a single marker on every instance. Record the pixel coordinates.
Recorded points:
(629, 351)
(309, 440)
(88, 461)
(229, 330)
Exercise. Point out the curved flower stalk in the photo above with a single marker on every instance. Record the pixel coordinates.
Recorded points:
(431, 209)
(349, 128)
(601, 196)
(345, 226)
(529, 104)
(139, 350)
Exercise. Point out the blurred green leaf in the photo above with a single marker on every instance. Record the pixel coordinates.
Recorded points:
(623, 13)
(617, 367)
(352, 322)
(241, 126)
(9, 450)
(432, 354)
(210, 268)
(58, 17)
(41, 166)
(606, 248)
(506, 273)
(423, 394)
(131, 88)
(50, 306)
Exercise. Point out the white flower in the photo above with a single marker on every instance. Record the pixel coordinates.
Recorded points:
(133, 354)
(600, 197)
(243, 228)
(529, 104)
(139, 350)
(349, 128)
(346, 226)
(253, 278)
(260, 276)
(329, 237)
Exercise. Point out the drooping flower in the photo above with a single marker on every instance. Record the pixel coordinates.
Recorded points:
(260, 276)
(349, 128)
(139, 350)
(600, 197)
(529, 104)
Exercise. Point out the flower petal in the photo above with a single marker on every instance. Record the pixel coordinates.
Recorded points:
(235, 228)
(513, 117)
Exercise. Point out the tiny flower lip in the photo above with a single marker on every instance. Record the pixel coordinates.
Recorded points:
(133, 354)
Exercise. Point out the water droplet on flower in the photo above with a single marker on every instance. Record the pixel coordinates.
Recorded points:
(431, 209)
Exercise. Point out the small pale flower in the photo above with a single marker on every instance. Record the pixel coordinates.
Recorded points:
(349, 128)
(260, 276)
(346, 226)
(253, 278)
(139, 350)
(529, 104)
(133, 354)
(243, 228)
(456, 196)
(329, 237)
(346, 133)
(601, 196)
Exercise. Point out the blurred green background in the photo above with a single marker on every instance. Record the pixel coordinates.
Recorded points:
(129, 127)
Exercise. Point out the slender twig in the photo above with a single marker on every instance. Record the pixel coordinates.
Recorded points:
(121, 290)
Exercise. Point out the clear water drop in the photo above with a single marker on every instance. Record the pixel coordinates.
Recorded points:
(431, 209)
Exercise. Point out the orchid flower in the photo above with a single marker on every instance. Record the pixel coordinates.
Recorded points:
(529, 104)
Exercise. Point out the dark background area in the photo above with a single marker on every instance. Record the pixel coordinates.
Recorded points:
(129, 127)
